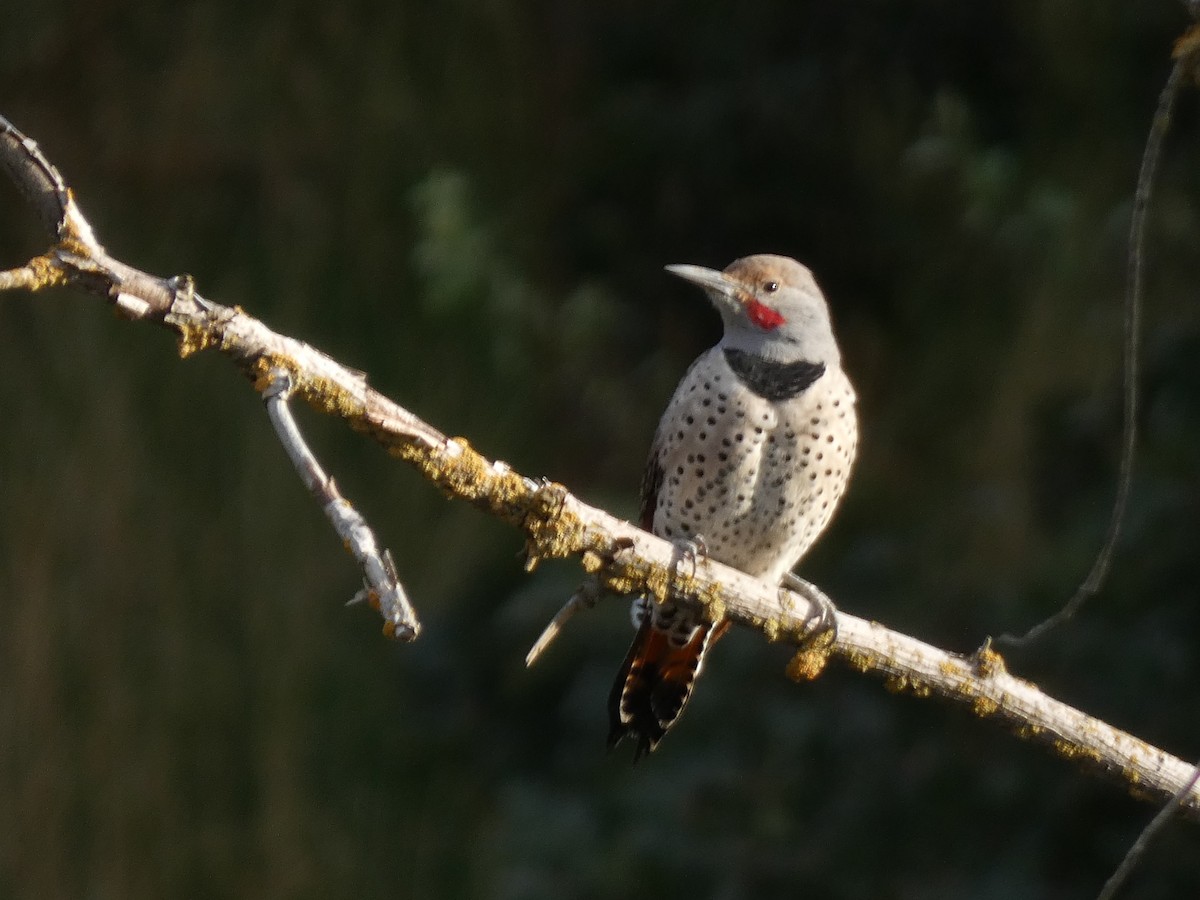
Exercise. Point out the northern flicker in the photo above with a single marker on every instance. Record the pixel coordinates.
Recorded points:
(747, 465)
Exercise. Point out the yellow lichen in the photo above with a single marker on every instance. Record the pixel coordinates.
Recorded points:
(987, 661)
(950, 666)
(46, 272)
(460, 471)
(591, 561)
(261, 371)
(715, 609)
(657, 583)
(1068, 750)
(807, 664)
(193, 340)
(902, 684)
(552, 532)
(860, 662)
(323, 394)
(984, 706)
(1029, 731)
(625, 585)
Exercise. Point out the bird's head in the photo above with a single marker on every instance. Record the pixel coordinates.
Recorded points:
(771, 306)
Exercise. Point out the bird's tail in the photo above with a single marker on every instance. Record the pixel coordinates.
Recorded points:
(655, 682)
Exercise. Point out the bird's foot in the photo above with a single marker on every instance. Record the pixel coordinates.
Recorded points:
(820, 628)
(819, 634)
(694, 550)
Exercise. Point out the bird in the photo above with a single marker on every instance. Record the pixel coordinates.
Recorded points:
(747, 465)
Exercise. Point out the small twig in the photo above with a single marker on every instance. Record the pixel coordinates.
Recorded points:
(1132, 332)
(41, 184)
(586, 597)
(1117, 880)
(381, 586)
(26, 277)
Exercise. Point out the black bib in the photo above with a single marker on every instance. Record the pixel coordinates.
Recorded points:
(773, 380)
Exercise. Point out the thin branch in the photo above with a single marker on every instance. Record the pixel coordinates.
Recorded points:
(1186, 55)
(39, 183)
(1132, 336)
(622, 559)
(588, 595)
(381, 584)
(1157, 824)
(29, 277)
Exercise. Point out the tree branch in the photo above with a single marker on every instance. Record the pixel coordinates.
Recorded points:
(621, 558)
(383, 586)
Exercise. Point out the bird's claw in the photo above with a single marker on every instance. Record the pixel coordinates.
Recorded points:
(818, 635)
(693, 549)
(820, 628)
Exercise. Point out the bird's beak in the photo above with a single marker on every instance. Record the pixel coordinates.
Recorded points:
(722, 289)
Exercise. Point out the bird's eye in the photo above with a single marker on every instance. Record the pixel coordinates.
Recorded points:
(771, 287)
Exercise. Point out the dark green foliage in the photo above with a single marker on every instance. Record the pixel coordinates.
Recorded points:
(473, 203)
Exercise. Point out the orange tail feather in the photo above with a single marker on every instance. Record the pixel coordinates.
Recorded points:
(654, 684)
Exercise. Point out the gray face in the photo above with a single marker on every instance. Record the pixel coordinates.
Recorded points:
(771, 307)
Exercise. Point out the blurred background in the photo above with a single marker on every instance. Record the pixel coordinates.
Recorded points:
(473, 202)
